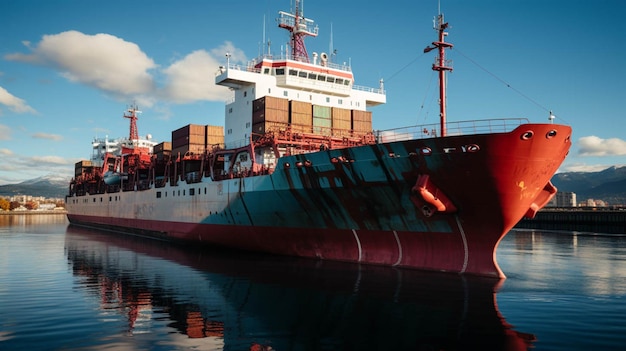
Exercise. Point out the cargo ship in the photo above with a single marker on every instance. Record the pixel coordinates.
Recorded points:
(297, 169)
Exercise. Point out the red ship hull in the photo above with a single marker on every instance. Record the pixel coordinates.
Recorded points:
(487, 181)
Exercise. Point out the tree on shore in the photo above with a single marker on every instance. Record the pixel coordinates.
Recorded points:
(5, 205)
(31, 205)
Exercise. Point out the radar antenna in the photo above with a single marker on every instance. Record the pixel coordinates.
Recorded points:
(298, 27)
(131, 113)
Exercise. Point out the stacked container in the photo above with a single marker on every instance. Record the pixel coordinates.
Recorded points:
(361, 122)
(342, 122)
(268, 112)
(82, 167)
(162, 150)
(195, 139)
(301, 116)
(322, 121)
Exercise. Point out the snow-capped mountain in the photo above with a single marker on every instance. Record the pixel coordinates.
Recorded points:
(50, 186)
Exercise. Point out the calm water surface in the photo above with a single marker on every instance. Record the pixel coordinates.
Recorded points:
(67, 288)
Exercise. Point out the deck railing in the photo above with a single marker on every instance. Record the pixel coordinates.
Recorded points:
(484, 126)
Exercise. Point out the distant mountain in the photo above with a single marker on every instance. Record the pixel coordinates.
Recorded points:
(50, 186)
(608, 185)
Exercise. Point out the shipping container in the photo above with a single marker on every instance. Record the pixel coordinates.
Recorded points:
(270, 102)
(321, 111)
(358, 115)
(190, 129)
(342, 122)
(161, 147)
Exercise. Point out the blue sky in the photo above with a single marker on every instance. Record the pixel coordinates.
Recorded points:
(69, 68)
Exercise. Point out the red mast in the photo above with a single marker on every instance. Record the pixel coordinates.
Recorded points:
(131, 114)
(440, 65)
(298, 27)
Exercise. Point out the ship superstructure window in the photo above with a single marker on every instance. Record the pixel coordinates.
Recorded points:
(285, 93)
(302, 74)
(321, 77)
(312, 76)
(266, 71)
(158, 194)
(293, 72)
(280, 71)
(192, 192)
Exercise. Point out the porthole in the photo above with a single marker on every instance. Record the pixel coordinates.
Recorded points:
(551, 134)
(426, 151)
(527, 135)
(472, 148)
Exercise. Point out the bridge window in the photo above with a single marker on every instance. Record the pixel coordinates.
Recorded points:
(293, 72)
(302, 74)
(280, 71)
(312, 76)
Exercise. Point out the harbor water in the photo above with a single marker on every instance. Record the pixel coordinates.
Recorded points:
(69, 288)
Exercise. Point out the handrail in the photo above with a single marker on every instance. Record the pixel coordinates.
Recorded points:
(483, 126)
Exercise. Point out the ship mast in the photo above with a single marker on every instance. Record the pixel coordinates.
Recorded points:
(440, 66)
(298, 27)
(131, 114)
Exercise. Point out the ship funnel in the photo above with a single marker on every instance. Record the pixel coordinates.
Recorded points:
(323, 58)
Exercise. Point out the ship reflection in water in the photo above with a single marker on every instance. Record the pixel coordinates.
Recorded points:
(234, 301)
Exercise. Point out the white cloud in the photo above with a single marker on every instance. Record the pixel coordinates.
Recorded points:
(103, 61)
(121, 69)
(6, 152)
(48, 160)
(595, 146)
(193, 78)
(54, 137)
(14, 103)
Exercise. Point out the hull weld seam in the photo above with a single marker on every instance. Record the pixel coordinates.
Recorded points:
(358, 243)
(466, 252)
(395, 234)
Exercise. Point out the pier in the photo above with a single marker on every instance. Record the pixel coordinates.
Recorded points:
(593, 220)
